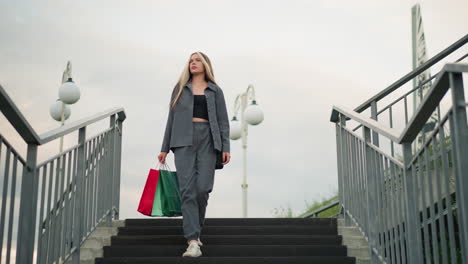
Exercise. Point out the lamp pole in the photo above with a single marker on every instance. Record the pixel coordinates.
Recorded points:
(62, 121)
(69, 93)
(250, 114)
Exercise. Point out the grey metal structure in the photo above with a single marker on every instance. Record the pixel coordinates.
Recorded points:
(53, 206)
(413, 207)
(324, 208)
(419, 57)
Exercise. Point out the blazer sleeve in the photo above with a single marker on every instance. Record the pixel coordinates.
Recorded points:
(168, 130)
(223, 120)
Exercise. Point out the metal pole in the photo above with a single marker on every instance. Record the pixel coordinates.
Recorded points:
(370, 194)
(414, 51)
(460, 145)
(339, 151)
(375, 135)
(27, 210)
(79, 196)
(118, 152)
(62, 121)
(343, 169)
(111, 169)
(413, 225)
(244, 128)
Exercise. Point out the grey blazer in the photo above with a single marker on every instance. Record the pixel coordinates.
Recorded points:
(179, 128)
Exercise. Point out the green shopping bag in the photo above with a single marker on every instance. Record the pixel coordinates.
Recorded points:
(167, 201)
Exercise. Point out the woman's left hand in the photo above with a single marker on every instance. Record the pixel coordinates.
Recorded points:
(226, 158)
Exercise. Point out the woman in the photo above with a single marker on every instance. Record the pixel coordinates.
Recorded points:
(197, 127)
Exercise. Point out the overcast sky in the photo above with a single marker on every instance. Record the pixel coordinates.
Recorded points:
(302, 57)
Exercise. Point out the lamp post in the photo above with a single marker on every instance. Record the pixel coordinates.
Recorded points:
(250, 114)
(69, 93)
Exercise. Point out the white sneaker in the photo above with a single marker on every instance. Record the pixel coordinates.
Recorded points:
(193, 250)
(199, 243)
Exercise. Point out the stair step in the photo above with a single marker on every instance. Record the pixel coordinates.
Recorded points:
(235, 221)
(233, 230)
(230, 260)
(230, 240)
(226, 250)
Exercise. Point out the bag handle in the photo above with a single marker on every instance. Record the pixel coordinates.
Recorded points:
(164, 165)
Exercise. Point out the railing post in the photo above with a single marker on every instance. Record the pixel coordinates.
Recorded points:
(460, 145)
(375, 135)
(112, 170)
(412, 226)
(345, 169)
(118, 163)
(28, 208)
(79, 199)
(338, 161)
(370, 195)
(339, 150)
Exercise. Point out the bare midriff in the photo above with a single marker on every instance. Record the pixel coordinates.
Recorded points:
(197, 119)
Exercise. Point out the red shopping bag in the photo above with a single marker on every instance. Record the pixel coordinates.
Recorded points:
(161, 195)
(147, 197)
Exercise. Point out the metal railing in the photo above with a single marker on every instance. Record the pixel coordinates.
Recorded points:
(53, 206)
(402, 105)
(322, 209)
(413, 208)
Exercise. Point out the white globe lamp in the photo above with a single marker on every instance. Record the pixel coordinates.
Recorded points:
(235, 129)
(253, 114)
(56, 111)
(69, 93)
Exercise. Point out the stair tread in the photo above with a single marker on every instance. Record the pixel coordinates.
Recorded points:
(232, 236)
(229, 230)
(231, 239)
(230, 227)
(234, 221)
(233, 226)
(224, 246)
(233, 260)
(226, 250)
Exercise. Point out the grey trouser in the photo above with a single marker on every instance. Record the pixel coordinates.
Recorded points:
(195, 169)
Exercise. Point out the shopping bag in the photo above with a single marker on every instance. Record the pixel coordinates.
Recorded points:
(170, 194)
(147, 197)
(161, 196)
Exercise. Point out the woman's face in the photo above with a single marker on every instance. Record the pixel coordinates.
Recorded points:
(196, 65)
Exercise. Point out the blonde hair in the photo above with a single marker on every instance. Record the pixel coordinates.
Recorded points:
(187, 75)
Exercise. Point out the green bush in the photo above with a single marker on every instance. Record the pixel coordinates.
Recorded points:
(310, 207)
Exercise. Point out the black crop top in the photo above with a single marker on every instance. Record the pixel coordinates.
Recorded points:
(199, 106)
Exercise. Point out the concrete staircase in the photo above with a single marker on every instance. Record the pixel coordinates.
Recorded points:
(92, 247)
(354, 241)
(230, 241)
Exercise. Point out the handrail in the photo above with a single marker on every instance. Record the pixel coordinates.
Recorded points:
(441, 55)
(402, 200)
(409, 92)
(90, 169)
(424, 111)
(67, 129)
(22, 126)
(430, 101)
(321, 209)
(390, 133)
(19, 122)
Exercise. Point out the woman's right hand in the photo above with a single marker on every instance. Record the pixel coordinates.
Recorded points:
(162, 157)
